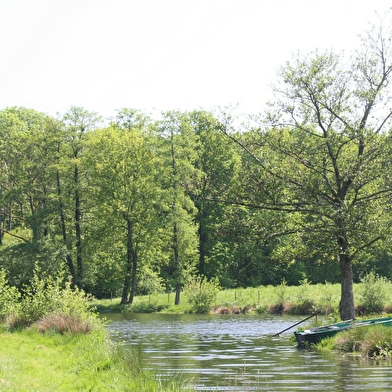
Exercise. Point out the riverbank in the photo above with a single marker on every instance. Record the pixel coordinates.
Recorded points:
(47, 362)
(372, 342)
(373, 297)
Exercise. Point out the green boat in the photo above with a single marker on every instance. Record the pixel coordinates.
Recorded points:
(315, 335)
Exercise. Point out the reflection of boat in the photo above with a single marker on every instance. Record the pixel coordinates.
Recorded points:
(315, 335)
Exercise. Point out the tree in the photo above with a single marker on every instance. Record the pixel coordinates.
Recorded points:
(26, 149)
(71, 186)
(178, 142)
(126, 196)
(326, 153)
(29, 154)
(216, 162)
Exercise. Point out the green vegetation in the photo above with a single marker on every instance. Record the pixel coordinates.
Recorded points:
(373, 342)
(49, 302)
(282, 299)
(53, 340)
(201, 293)
(139, 205)
(374, 292)
(33, 361)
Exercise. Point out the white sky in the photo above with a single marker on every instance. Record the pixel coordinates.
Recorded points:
(163, 54)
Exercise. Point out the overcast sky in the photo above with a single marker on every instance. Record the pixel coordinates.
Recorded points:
(163, 54)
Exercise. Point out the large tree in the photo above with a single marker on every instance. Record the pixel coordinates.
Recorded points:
(72, 186)
(217, 162)
(178, 153)
(325, 152)
(27, 151)
(126, 197)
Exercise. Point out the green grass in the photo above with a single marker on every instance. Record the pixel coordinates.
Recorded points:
(321, 297)
(299, 300)
(31, 361)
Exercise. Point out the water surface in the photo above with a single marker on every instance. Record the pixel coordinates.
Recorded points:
(239, 352)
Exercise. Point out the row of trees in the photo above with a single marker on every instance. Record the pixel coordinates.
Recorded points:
(113, 204)
(304, 192)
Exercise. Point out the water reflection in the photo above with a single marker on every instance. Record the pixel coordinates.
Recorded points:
(224, 352)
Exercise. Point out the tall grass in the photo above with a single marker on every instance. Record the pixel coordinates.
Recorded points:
(32, 361)
(372, 342)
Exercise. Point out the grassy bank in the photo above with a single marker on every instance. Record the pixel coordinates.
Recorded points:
(32, 361)
(374, 296)
(372, 342)
(52, 340)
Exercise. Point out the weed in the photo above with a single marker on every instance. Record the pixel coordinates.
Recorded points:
(9, 296)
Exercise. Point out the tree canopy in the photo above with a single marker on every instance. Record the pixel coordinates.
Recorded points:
(143, 204)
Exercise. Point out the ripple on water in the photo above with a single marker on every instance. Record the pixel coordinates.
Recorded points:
(222, 352)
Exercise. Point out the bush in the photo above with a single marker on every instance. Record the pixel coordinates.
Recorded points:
(9, 296)
(374, 293)
(46, 299)
(201, 293)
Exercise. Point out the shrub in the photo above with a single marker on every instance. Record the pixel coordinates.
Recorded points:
(48, 297)
(281, 291)
(378, 342)
(305, 302)
(374, 293)
(349, 341)
(201, 293)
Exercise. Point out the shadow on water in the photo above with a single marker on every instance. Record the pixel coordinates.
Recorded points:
(239, 352)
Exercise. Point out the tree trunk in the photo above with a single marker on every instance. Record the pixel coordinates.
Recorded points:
(129, 287)
(68, 256)
(203, 240)
(178, 294)
(177, 266)
(78, 232)
(1, 226)
(346, 306)
(133, 283)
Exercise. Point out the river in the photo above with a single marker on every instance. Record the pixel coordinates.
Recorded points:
(240, 353)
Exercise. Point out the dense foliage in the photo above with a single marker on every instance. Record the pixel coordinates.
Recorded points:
(140, 205)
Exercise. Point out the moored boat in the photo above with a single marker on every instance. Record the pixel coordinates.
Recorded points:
(315, 335)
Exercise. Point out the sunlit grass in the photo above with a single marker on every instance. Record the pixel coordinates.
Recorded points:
(303, 299)
(31, 361)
